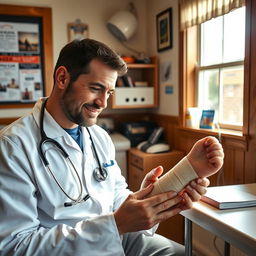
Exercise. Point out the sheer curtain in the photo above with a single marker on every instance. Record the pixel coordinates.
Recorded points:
(194, 12)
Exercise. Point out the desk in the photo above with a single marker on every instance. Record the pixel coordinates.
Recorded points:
(236, 226)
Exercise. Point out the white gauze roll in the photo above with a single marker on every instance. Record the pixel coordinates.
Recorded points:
(176, 178)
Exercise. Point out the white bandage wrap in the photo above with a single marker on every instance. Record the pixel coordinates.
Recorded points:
(175, 179)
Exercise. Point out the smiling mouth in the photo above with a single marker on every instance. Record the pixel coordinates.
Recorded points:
(92, 110)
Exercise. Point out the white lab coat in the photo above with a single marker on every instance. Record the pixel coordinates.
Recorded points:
(33, 220)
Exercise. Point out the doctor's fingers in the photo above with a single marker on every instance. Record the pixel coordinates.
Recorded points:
(156, 203)
(142, 193)
(167, 204)
(186, 203)
(170, 212)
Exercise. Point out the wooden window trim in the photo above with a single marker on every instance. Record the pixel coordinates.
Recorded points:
(188, 56)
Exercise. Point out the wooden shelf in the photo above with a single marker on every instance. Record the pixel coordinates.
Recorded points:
(138, 96)
(137, 65)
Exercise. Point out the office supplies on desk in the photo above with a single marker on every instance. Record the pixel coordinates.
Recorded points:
(154, 145)
(229, 197)
(137, 132)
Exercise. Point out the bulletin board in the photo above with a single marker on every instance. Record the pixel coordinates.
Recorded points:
(25, 55)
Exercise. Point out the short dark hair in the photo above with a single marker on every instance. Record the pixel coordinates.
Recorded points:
(77, 55)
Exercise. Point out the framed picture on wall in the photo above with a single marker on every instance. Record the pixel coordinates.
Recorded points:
(164, 30)
(77, 30)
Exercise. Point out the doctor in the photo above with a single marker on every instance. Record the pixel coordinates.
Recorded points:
(62, 192)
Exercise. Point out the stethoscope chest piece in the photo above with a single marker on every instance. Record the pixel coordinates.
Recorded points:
(100, 174)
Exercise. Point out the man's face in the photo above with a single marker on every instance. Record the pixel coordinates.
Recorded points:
(85, 98)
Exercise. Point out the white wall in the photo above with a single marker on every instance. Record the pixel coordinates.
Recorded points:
(169, 104)
(95, 13)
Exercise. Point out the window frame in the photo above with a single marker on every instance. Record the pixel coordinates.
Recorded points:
(214, 66)
(189, 56)
(218, 66)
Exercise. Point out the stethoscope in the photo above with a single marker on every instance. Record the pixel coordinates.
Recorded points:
(100, 173)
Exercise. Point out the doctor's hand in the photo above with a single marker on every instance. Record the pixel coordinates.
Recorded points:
(191, 193)
(151, 177)
(206, 156)
(140, 213)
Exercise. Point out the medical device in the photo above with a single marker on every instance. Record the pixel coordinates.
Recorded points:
(100, 173)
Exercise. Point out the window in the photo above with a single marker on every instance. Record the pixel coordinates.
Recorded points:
(221, 67)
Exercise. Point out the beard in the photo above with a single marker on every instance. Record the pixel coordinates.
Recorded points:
(73, 111)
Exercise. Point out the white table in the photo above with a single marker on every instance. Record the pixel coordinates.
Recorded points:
(236, 226)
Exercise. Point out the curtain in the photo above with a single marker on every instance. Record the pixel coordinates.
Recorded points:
(194, 12)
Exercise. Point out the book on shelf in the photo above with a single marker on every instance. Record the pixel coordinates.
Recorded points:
(229, 197)
(124, 81)
(140, 83)
(119, 82)
(127, 80)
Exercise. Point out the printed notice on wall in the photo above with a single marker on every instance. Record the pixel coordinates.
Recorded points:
(21, 76)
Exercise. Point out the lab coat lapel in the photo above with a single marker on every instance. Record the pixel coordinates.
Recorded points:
(52, 128)
(88, 164)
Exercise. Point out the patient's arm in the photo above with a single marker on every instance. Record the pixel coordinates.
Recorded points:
(204, 159)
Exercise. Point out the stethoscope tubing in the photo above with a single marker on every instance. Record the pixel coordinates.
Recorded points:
(100, 174)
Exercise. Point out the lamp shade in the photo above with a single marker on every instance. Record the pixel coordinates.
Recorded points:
(122, 25)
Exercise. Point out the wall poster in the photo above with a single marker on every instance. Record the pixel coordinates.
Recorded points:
(21, 59)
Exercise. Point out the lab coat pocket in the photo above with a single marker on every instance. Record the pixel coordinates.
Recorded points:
(104, 191)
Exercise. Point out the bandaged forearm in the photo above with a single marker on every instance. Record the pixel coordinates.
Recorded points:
(176, 178)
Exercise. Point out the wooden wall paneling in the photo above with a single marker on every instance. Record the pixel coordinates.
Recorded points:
(234, 161)
(171, 135)
(185, 139)
(173, 228)
(233, 167)
(169, 123)
(250, 159)
(239, 159)
(228, 168)
(250, 164)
